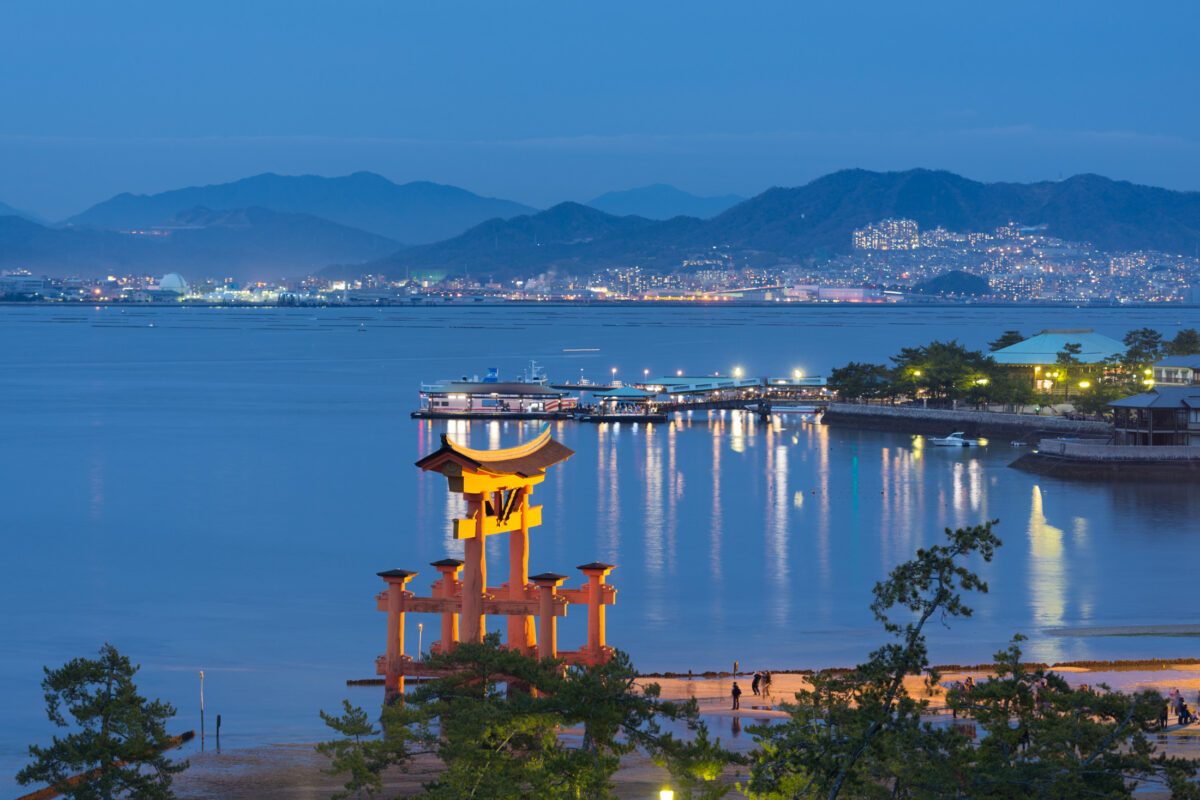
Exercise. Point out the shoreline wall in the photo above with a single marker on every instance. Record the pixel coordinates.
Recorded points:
(974, 423)
(1109, 469)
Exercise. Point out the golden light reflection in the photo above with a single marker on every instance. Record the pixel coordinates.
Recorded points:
(1046, 573)
(737, 431)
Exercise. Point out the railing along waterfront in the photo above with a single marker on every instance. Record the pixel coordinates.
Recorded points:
(1092, 451)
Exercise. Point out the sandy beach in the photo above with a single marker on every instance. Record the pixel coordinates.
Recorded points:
(279, 771)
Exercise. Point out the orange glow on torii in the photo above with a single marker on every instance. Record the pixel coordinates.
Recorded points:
(497, 485)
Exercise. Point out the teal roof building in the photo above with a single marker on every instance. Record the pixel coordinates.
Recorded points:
(1043, 349)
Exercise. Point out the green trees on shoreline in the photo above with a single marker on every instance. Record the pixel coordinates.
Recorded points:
(945, 373)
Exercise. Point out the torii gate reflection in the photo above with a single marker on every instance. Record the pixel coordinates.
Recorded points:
(496, 485)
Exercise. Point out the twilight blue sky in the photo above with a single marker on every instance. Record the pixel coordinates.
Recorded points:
(542, 102)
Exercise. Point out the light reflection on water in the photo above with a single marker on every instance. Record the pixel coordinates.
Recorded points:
(219, 490)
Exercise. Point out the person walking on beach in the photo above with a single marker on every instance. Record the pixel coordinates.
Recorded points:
(766, 683)
(737, 693)
(754, 683)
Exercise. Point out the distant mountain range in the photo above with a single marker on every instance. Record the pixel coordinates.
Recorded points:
(272, 225)
(8, 211)
(660, 201)
(246, 244)
(570, 237)
(413, 213)
(806, 222)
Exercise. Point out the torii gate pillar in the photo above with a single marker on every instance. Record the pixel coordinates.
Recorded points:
(448, 587)
(547, 583)
(394, 655)
(596, 573)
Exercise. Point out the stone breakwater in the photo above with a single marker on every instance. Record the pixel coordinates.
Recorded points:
(939, 422)
(1082, 459)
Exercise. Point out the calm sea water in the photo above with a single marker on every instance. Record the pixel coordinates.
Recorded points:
(216, 488)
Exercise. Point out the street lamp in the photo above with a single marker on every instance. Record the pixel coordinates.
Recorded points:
(420, 635)
(737, 372)
(666, 794)
(797, 374)
(1084, 384)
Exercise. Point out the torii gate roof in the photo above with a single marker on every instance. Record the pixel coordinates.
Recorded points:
(526, 460)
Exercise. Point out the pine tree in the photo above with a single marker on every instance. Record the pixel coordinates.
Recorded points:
(121, 735)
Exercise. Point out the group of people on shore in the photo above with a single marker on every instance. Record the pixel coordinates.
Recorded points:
(760, 685)
(1174, 702)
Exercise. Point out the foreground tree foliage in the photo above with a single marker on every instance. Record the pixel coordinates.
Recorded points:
(360, 754)
(497, 724)
(1041, 738)
(120, 738)
(861, 734)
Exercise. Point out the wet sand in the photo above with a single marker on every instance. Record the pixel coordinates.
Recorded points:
(279, 771)
(288, 771)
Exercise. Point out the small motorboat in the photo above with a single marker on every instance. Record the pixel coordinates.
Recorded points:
(956, 439)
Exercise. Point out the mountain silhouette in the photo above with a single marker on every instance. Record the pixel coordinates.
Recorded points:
(412, 213)
(795, 225)
(245, 244)
(661, 201)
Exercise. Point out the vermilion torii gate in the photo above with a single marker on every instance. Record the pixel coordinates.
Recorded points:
(496, 485)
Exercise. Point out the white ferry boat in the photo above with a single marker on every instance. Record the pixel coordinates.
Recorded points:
(528, 397)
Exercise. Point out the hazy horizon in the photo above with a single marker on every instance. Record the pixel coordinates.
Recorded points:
(544, 103)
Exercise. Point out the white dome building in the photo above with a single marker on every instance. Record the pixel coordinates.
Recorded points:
(173, 282)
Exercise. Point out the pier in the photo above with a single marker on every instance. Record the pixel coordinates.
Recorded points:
(649, 400)
(762, 396)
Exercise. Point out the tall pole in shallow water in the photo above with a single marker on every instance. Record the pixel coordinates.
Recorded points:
(202, 709)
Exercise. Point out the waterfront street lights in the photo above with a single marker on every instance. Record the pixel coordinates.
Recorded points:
(737, 372)
(614, 375)
(797, 374)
